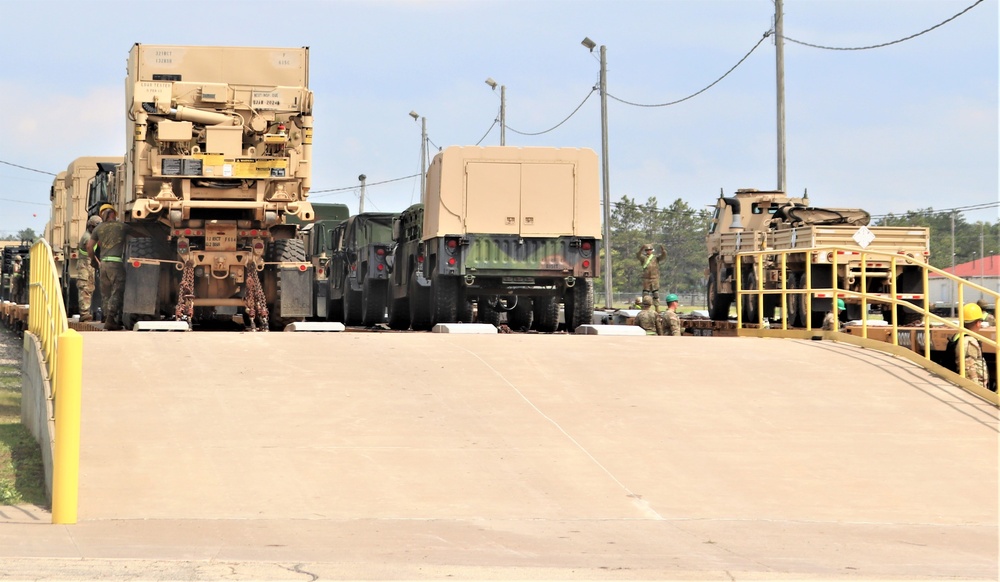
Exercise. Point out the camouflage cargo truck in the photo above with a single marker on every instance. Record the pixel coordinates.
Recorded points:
(508, 229)
(755, 220)
(317, 239)
(219, 156)
(359, 268)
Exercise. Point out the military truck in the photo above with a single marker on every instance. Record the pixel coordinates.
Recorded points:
(76, 195)
(508, 229)
(218, 158)
(755, 220)
(11, 250)
(359, 269)
(316, 238)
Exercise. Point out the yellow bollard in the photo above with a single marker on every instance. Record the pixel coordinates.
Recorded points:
(66, 466)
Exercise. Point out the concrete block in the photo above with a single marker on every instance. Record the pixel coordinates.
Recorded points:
(315, 326)
(474, 328)
(610, 330)
(161, 326)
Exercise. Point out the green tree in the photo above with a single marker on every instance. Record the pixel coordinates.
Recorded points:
(26, 234)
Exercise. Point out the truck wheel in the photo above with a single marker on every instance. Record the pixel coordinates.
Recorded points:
(444, 299)
(546, 312)
(487, 313)
(290, 250)
(373, 295)
(464, 313)
(718, 303)
(420, 305)
(520, 317)
(796, 301)
(751, 313)
(352, 305)
(399, 313)
(579, 309)
(335, 310)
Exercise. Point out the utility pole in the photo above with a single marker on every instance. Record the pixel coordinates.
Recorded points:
(608, 303)
(423, 154)
(779, 52)
(503, 108)
(954, 292)
(361, 205)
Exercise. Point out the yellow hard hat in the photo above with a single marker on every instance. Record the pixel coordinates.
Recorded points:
(105, 207)
(972, 312)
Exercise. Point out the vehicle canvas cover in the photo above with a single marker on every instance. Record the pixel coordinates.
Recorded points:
(526, 192)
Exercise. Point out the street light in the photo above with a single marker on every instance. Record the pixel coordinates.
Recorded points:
(604, 163)
(503, 108)
(361, 206)
(423, 152)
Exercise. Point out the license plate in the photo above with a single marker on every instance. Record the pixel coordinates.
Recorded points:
(220, 238)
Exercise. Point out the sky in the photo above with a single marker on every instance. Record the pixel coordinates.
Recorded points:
(906, 126)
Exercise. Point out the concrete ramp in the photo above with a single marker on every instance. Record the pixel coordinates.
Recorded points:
(543, 456)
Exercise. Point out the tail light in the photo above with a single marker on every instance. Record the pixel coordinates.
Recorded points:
(183, 246)
(302, 268)
(586, 264)
(380, 252)
(380, 267)
(451, 261)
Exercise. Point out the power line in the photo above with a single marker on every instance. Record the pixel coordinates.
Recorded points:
(885, 44)
(24, 202)
(346, 188)
(592, 90)
(759, 42)
(27, 168)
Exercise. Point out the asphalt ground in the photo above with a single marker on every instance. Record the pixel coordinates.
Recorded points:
(245, 456)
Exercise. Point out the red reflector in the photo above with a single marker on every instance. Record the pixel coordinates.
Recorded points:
(380, 267)
(585, 246)
(586, 264)
(354, 267)
(253, 232)
(187, 231)
(380, 252)
(243, 233)
(320, 271)
(136, 264)
(452, 243)
(302, 268)
(451, 261)
(420, 258)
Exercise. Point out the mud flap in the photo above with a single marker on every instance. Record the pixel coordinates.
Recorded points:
(141, 288)
(321, 292)
(295, 297)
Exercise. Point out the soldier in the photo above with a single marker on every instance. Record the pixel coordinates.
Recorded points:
(647, 319)
(651, 272)
(975, 364)
(85, 271)
(989, 320)
(110, 237)
(828, 320)
(671, 321)
(17, 280)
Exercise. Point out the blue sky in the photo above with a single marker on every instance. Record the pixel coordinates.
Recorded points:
(911, 125)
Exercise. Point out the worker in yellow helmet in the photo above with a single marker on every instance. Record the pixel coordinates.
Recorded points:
(975, 363)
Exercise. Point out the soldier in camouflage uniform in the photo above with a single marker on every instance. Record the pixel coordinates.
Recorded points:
(648, 319)
(670, 320)
(989, 320)
(85, 271)
(651, 272)
(17, 280)
(830, 317)
(110, 237)
(975, 364)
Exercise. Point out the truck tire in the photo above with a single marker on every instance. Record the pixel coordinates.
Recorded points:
(444, 299)
(352, 305)
(465, 313)
(420, 305)
(796, 301)
(546, 312)
(718, 303)
(399, 313)
(373, 295)
(751, 312)
(286, 250)
(579, 308)
(520, 317)
(486, 313)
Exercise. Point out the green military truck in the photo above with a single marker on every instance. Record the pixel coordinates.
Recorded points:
(359, 269)
(502, 229)
(317, 239)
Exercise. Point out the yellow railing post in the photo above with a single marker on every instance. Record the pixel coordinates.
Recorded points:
(66, 466)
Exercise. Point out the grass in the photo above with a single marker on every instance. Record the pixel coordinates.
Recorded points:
(22, 476)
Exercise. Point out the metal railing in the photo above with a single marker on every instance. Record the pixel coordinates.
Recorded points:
(46, 312)
(779, 259)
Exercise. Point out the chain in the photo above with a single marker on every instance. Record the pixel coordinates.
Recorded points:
(254, 300)
(185, 295)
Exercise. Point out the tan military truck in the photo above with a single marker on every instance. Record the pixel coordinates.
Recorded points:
(509, 229)
(755, 220)
(218, 158)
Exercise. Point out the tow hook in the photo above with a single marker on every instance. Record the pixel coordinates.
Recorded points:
(469, 280)
(570, 281)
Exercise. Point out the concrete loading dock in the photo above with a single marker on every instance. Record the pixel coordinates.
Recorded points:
(521, 456)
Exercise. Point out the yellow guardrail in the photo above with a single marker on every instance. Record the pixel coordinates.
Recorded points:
(62, 356)
(779, 259)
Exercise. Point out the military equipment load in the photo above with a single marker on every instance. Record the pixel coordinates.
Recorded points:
(505, 229)
(770, 220)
